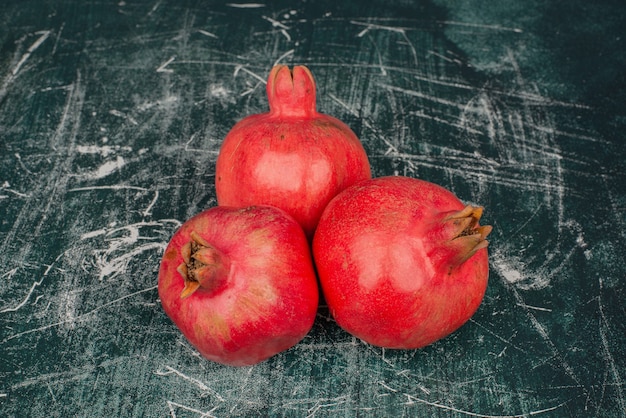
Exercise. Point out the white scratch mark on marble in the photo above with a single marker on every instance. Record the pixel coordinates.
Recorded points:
(421, 114)
(163, 67)
(174, 405)
(219, 91)
(285, 55)
(608, 355)
(325, 403)
(343, 104)
(167, 101)
(9, 274)
(44, 35)
(123, 115)
(275, 23)
(387, 387)
(245, 5)
(188, 148)
(513, 272)
(536, 308)
(106, 169)
(121, 250)
(499, 337)
(18, 157)
(369, 26)
(207, 33)
(541, 330)
(26, 298)
(286, 34)
(170, 370)
(54, 398)
(482, 26)
(104, 150)
(57, 38)
(155, 7)
(7, 188)
(412, 399)
(111, 187)
(414, 93)
(245, 70)
(148, 211)
(79, 317)
(397, 29)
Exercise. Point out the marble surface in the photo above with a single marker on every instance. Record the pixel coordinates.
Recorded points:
(111, 118)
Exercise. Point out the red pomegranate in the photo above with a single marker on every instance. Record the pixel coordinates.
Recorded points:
(239, 283)
(402, 262)
(292, 157)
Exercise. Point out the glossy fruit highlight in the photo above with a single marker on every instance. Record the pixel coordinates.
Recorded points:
(239, 283)
(402, 262)
(291, 157)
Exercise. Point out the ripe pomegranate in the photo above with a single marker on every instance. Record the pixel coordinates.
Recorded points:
(239, 283)
(292, 157)
(401, 261)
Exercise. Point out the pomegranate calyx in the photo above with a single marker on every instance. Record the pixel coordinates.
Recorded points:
(458, 236)
(291, 93)
(204, 267)
(469, 236)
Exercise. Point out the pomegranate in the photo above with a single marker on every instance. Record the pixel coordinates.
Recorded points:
(291, 157)
(239, 283)
(401, 261)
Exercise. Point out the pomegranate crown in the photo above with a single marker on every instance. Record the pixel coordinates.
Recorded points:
(203, 266)
(461, 236)
(291, 92)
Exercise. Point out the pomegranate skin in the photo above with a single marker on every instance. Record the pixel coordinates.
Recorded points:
(249, 290)
(402, 262)
(291, 157)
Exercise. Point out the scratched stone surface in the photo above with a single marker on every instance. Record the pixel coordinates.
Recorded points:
(111, 118)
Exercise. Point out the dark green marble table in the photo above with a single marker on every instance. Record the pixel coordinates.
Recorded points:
(111, 117)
